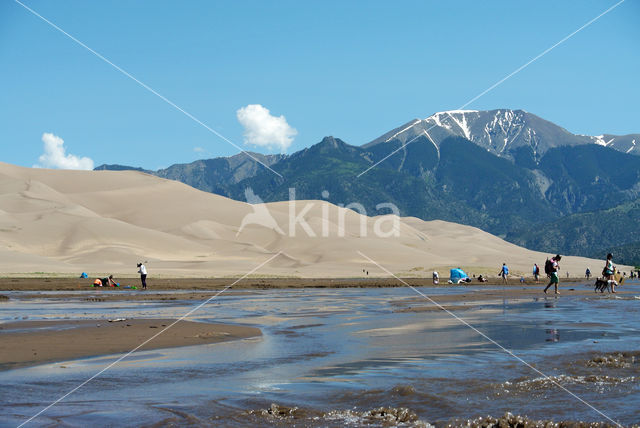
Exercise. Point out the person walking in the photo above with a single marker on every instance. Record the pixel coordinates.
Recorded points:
(504, 273)
(553, 269)
(609, 272)
(142, 270)
(536, 272)
(587, 273)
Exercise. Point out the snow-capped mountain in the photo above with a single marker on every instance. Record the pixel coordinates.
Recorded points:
(502, 132)
(624, 143)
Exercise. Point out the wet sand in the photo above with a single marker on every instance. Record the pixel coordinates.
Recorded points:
(35, 342)
(199, 289)
(75, 284)
(422, 304)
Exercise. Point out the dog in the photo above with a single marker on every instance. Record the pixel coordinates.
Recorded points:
(601, 285)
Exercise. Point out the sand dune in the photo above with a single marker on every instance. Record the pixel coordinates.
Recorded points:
(105, 221)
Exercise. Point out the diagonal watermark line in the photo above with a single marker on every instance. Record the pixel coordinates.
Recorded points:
(508, 351)
(540, 55)
(148, 88)
(149, 339)
(501, 81)
(400, 148)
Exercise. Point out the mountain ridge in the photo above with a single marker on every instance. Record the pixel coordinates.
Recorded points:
(500, 131)
(536, 175)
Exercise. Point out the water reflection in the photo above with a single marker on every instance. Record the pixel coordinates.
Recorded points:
(554, 335)
(343, 354)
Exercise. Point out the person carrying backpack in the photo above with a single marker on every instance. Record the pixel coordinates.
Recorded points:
(504, 273)
(551, 268)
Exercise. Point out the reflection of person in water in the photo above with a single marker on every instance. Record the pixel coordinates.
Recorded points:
(554, 335)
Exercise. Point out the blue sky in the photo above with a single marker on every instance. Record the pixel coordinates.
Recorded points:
(353, 70)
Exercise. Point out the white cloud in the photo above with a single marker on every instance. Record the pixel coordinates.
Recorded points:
(54, 155)
(263, 129)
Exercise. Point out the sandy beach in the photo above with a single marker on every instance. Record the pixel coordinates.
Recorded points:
(80, 284)
(36, 342)
(200, 289)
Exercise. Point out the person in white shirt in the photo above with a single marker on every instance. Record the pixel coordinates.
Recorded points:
(142, 270)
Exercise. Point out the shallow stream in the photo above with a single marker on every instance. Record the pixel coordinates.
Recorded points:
(334, 357)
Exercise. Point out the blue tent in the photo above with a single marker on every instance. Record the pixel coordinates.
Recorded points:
(457, 274)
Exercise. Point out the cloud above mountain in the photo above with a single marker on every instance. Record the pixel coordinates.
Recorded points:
(263, 129)
(55, 156)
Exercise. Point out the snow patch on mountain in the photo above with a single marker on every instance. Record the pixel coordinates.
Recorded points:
(415, 122)
(432, 142)
(503, 132)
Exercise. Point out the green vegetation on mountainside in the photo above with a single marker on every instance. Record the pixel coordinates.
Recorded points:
(593, 234)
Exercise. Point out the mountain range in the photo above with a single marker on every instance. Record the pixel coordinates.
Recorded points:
(504, 132)
(508, 172)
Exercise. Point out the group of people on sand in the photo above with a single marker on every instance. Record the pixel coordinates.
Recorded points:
(551, 270)
(552, 267)
(110, 282)
(465, 280)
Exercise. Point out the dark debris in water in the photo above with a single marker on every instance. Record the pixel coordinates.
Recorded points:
(615, 360)
(516, 421)
(381, 416)
(280, 411)
(392, 416)
(404, 417)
